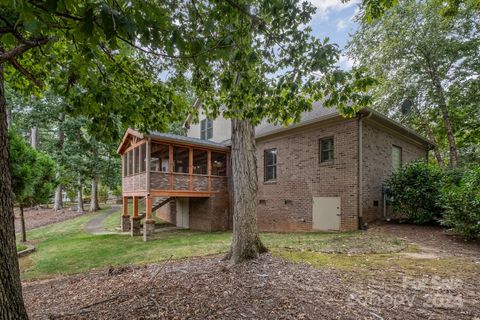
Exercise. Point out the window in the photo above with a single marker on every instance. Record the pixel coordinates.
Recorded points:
(136, 157)
(206, 129)
(219, 164)
(143, 155)
(396, 157)
(326, 149)
(130, 162)
(159, 158)
(200, 161)
(270, 159)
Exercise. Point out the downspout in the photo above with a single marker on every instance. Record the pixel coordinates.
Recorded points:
(360, 167)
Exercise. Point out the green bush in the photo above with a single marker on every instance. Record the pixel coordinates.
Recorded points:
(415, 192)
(462, 205)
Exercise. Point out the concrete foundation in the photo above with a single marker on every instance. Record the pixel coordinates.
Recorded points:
(125, 223)
(135, 226)
(148, 230)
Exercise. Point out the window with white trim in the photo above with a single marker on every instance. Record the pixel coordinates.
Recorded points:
(206, 129)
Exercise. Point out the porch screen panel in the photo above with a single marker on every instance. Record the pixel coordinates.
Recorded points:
(200, 161)
(143, 155)
(125, 165)
(159, 160)
(219, 164)
(136, 153)
(180, 159)
(130, 162)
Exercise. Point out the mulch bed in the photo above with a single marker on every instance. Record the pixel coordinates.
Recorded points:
(35, 218)
(267, 288)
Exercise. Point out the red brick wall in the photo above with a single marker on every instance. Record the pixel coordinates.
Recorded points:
(209, 214)
(377, 163)
(300, 177)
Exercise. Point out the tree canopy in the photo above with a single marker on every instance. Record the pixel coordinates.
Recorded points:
(426, 66)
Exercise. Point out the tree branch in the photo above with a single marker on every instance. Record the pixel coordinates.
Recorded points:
(25, 46)
(26, 73)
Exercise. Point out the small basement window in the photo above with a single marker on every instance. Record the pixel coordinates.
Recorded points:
(270, 159)
(326, 149)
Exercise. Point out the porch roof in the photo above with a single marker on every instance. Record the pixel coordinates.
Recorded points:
(175, 138)
(132, 136)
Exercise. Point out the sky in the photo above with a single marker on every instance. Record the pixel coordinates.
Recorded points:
(334, 20)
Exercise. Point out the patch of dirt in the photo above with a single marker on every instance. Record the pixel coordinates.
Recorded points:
(431, 240)
(35, 218)
(267, 288)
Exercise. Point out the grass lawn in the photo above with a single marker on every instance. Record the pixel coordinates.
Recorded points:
(64, 248)
(21, 247)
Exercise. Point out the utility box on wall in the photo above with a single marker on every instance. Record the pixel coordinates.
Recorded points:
(326, 213)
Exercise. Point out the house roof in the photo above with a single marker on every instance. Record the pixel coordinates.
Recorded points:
(320, 113)
(317, 113)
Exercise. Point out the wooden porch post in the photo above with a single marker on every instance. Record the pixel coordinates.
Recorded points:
(147, 165)
(190, 167)
(125, 206)
(135, 207)
(148, 208)
(170, 163)
(209, 169)
(125, 219)
(149, 225)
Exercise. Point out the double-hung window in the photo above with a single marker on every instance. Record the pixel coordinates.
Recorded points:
(206, 129)
(326, 149)
(270, 159)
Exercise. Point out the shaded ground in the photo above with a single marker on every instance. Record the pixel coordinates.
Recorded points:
(389, 272)
(269, 288)
(431, 240)
(35, 218)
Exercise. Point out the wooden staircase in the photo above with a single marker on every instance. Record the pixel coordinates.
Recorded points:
(160, 202)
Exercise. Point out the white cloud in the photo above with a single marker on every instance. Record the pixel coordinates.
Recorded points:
(324, 7)
(345, 62)
(341, 24)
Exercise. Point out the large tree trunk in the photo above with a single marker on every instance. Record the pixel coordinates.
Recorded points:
(94, 195)
(80, 198)
(22, 224)
(442, 103)
(34, 138)
(58, 204)
(246, 242)
(431, 137)
(11, 300)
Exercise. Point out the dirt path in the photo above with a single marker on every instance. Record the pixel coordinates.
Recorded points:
(95, 225)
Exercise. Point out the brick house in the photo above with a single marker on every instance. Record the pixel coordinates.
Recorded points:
(324, 173)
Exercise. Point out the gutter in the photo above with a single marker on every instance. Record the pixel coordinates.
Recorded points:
(361, 116)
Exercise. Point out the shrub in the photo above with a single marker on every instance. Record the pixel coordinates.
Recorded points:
(415, 191)
(462, 205)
